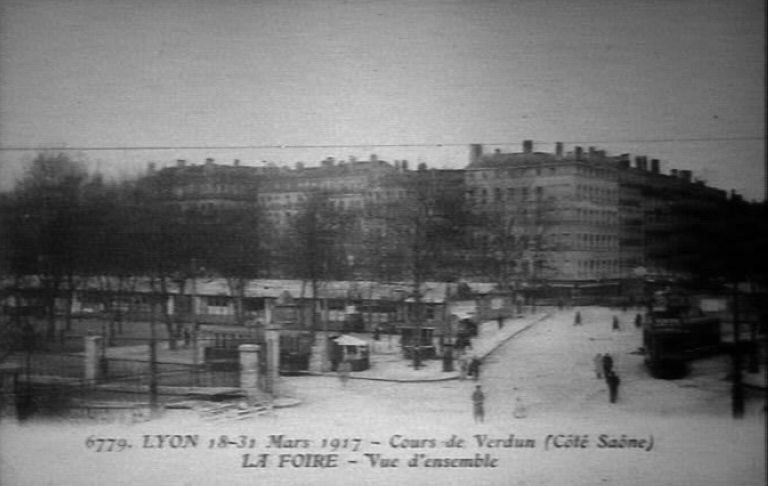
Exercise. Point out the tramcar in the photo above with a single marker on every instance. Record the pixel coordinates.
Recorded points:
(674, 332)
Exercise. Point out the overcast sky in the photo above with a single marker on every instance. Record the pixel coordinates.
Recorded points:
(679, 80)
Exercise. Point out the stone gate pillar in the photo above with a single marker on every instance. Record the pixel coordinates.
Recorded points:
(249, 369)
(272, 338)
(93, 354)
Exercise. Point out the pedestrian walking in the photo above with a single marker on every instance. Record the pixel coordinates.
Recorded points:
(501, 322)
(577, 319)
(613, 386)
(478, 399)
(474, 368)
(607, 364)
(615, 325)
(344, 368)
(598, 361)
(638, 321)
(520, 410)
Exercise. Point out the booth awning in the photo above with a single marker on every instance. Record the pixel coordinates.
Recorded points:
(345, 340)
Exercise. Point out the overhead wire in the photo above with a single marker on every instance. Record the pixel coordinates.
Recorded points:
(66, 148)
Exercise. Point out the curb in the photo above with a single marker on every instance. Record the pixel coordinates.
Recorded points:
(447, 378)
(393, 380)
(498, 345)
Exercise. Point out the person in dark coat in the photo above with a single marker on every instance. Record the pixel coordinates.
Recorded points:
(613, 385)
(607, 365)
(638, 321)
(478, 399)
(615, 325)
(577, 319)
(598, 361)
(474, 368)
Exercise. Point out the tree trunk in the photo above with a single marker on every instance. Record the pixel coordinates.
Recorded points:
(51, 292)
(737, 390)
(70, 300)
(153, 388)
(167, 317)
(754, 349)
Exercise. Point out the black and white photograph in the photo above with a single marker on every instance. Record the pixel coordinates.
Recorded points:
(347, 242)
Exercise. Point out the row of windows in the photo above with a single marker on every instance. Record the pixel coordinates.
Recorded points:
(590, 240)
(596, 216)
(508, 194)
(596, 194)
(327, 184)
(596, 173)
(282, 199)
(489, 174)
(597, 267)
(209, 188)
(486, 175)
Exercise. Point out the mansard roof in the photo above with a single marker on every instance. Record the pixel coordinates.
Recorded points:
(496, 160)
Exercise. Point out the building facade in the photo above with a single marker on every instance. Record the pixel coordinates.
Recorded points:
(569, 218)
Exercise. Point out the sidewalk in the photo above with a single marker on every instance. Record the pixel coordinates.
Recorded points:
(393, 367)
(386, 367)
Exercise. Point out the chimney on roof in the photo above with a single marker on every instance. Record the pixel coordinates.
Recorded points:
(475, 152)
(374, 158)
(237, 163)
(655, 167)
(641, 162)
(673, 172)
(209, 161)
(181, 163)
(624, 161)
(559, 150)
(151, 167)
(591, 153)
(601, 154)
(686, 175)
(578, 153)
(422, 166)
(527, 146)
(404, 164)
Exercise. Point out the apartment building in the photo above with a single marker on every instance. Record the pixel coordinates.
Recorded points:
(555, 215)
(567, 218)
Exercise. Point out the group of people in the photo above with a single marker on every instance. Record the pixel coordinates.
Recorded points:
(469, 367)
(478, 406)
(604, 369)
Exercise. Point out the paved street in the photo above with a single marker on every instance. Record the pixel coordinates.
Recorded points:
(549, 366)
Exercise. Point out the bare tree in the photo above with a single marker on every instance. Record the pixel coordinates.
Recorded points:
(315, 238)
(42, 230)
(424, 229)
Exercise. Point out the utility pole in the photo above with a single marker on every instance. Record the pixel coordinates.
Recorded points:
(153, 402)
(737, 389)
(195, 327)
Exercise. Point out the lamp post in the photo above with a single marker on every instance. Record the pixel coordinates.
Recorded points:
(737, 389)
(196, 358)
